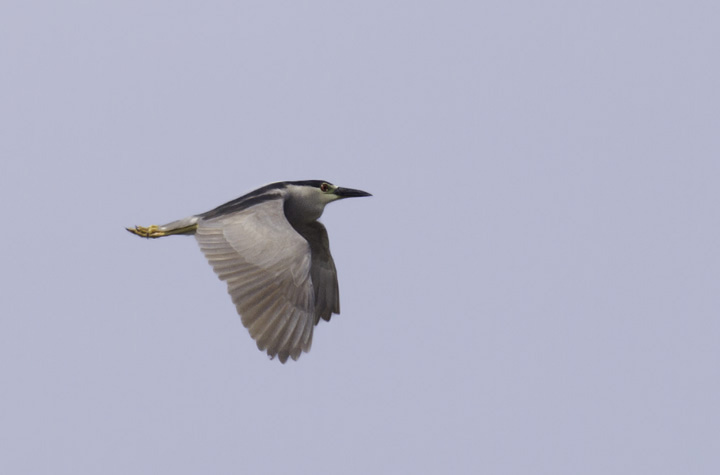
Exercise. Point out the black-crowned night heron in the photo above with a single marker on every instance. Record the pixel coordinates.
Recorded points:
(275, 257)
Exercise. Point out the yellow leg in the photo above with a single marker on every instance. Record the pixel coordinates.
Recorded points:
(149, 232)
(155, 232)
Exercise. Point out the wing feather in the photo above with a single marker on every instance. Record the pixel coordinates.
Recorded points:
(322, 271)
(267, 266)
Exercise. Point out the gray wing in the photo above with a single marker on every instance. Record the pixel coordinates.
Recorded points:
(322, 271)
(267, 267)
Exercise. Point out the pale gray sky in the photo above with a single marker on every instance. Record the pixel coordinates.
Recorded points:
(533, 289)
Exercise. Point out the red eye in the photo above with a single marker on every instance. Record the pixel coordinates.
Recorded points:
(324, 187)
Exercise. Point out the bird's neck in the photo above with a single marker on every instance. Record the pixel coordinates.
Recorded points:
(302, 210)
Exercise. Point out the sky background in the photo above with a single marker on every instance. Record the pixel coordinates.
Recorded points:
(534, 287)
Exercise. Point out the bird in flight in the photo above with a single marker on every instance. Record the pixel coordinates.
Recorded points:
(275, 258)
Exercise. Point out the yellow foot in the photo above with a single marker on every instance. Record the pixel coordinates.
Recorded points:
(149, 232)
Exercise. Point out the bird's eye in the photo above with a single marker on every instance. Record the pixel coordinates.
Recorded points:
(324, 187)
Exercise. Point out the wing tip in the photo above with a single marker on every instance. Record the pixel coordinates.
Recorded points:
(284, 355)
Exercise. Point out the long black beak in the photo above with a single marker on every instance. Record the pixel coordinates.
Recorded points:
(350, 193)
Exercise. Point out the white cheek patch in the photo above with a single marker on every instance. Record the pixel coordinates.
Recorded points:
(330, 197)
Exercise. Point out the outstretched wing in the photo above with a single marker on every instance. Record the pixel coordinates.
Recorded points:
(267, 267)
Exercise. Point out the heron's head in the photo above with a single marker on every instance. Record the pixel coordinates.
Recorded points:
(306, 200)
